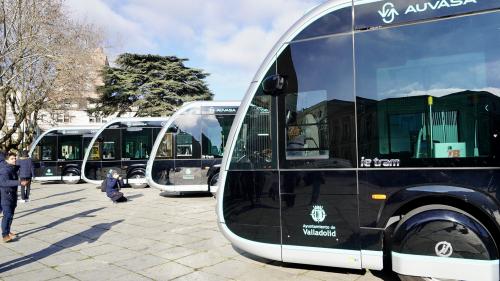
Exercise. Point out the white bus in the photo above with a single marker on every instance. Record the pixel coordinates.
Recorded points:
(187, 153)
(58, 153)
(122, 144)
(370, 138)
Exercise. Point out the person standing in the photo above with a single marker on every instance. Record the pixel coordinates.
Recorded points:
(2, 159)
(8, 192)
(26, 173)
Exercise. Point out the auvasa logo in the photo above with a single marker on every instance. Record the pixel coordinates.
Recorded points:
(389, 12)
(318, 214)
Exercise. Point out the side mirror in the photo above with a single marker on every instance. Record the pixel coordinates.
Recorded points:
(274, 85)
(173, 129)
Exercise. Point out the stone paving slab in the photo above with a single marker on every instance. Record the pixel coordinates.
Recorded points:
(73, 232)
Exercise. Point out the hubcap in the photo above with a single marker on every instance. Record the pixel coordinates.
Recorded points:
(70, 181)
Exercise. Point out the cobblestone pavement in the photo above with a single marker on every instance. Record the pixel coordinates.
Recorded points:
(75, 233)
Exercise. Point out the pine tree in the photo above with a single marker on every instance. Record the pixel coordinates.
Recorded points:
(154, 85)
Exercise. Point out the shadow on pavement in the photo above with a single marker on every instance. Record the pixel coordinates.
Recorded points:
(135, 196)
(59, 194)
(84, 214)
(46, 207)
(95, 232)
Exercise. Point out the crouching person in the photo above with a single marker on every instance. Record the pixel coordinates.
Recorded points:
(113, 184)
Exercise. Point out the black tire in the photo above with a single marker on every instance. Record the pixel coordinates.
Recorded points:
(408, 241)
(137, 185)
(70, 174)
(213, 181)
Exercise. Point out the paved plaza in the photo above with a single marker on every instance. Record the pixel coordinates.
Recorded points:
(75, 233)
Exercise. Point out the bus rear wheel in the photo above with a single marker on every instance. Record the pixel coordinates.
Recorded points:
(442, 235)
(71, 178)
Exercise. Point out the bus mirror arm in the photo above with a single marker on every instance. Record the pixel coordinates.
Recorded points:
(274, 85)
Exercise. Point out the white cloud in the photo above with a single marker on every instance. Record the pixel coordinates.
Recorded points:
(220, 36)
(121, 33)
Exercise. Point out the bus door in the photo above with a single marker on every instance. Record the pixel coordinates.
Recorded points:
(188, 170)
(215, 131)
(136, 149)
(93, 165)
(164, 163)
(45, 157)
(317, 154)
(69, 156)
(110, 146)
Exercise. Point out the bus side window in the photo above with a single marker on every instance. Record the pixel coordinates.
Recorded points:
(48, 148)
(36, 153)
(108, 150)
(317, 112)
(95, 151)
(165, 150)
(214, 135)
(306, 126)
(188, 137)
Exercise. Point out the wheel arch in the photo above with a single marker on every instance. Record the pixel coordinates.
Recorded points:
(214, 170)
(479, 205)
(71, 168)
(136, 169)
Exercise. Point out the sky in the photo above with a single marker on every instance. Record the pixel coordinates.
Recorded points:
(228, 39)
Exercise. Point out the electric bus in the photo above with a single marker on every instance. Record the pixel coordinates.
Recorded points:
(370, 138)
(58, 153)
(124, 145)
(187, 154)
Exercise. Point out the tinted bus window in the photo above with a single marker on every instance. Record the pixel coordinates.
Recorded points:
(136, 143)
(95, 151)
(86, 142)
(254, 148)
(318, 117)
(46, 149)
(215, 130)
(428, 94)
(70, 147)
(110, 140)
(166, 148)
(338, 21)
(187, 137)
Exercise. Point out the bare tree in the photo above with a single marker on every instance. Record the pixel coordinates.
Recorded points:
(45, 60)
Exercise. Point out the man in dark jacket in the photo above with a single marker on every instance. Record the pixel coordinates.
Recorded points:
(26, 173)
(2, 159)
(8, 193)
(113, 184)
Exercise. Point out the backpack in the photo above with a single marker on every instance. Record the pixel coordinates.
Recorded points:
(103, 185)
